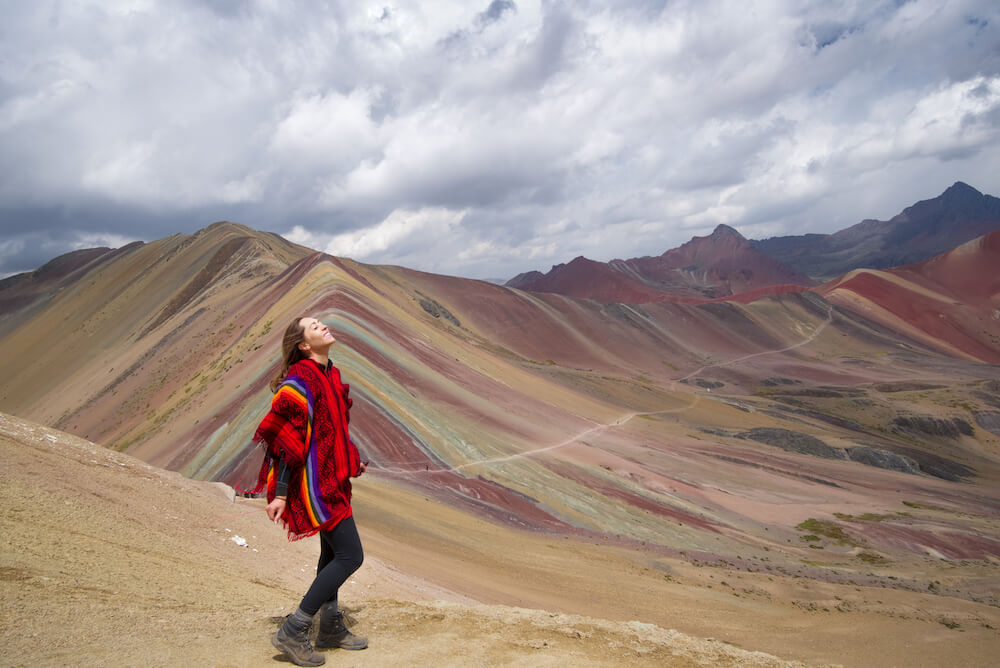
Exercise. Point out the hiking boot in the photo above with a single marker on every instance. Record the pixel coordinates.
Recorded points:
(297, 647)
(332, 632)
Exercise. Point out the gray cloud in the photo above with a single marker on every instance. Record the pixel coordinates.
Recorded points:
(495, 11)
(490, 139)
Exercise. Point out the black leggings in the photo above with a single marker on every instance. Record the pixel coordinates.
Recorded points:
(340, 555)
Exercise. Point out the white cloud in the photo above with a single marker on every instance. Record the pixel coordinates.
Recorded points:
(330, 131)
(954, 118)
(400, 229)
(98, 240)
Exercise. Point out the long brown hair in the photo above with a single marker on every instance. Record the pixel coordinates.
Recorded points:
(295, 334)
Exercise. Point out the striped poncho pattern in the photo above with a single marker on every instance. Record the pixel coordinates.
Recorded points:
(307, 426)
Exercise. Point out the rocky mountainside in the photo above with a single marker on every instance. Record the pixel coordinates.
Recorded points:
(928, 228)
(719, 265)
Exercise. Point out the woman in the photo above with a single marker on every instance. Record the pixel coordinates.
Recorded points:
(307, 470)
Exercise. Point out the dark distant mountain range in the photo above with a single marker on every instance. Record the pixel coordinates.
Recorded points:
(725, 265)
(921, 231)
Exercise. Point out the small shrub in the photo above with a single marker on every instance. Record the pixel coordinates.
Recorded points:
(872, 558)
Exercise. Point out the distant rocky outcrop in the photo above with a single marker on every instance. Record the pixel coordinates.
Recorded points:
(908, 460)
(883, 459)
(932, 426)
(936, 465)
(928, 228)
(435, 309)
(989, 393)
(793, 441)
(988, 420)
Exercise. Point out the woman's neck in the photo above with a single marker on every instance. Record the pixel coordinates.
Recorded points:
(321, 358)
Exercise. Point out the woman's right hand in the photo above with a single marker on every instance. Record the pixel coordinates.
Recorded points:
(276, 509)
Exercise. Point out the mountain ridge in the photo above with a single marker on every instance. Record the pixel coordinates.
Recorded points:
(920, 231)
(725, 264)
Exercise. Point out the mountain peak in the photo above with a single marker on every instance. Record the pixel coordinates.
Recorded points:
(961, 188)
(962, 195)
(227, 226)
(722, 231)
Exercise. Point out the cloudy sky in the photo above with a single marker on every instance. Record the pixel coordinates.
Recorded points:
(483, 139)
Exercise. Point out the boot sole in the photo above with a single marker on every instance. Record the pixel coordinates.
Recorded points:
(347, 647)
(278, 645)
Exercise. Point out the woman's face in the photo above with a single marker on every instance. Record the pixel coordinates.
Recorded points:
(316, 335)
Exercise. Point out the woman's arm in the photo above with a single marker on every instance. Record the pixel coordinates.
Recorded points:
(276, 508)
(282, 478)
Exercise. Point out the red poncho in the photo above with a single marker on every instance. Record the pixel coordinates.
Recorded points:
(307, 427)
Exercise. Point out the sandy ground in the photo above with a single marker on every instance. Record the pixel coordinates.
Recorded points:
(106, 560)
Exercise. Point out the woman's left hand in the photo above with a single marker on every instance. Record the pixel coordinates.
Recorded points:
(362, 467)
(276, 509)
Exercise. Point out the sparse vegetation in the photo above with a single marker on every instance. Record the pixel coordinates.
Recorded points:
(828, 529)
(923, 506)
(872, 557)
(866, 517)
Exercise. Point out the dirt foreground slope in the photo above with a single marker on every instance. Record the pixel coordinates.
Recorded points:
(107, 560)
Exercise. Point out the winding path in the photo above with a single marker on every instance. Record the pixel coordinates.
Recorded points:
(621, 420)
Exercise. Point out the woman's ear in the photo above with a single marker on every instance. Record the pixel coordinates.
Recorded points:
(304, 347)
